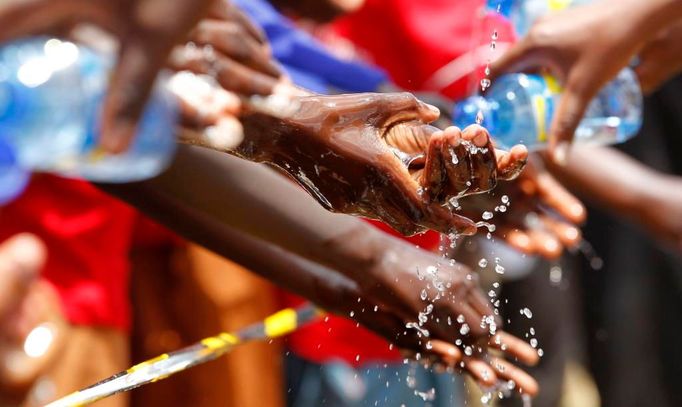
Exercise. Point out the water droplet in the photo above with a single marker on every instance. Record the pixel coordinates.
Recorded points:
(534, 342)
(460, 318)
(423, 295)
(464, 329)
(505, 199)
(526, 312)
(479, 117)
(482, 263)
(494, 36)
(487, 215)
(499, 269)
(485, 84)
(352, 313)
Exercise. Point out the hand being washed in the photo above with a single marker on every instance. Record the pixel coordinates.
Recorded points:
(373, 155)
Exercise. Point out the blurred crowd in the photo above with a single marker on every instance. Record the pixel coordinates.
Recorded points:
(317, 162)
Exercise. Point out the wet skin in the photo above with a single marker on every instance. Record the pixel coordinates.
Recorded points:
(374, 155)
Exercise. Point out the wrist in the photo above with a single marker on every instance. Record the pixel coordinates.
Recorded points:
(650, 16)
(359, 251)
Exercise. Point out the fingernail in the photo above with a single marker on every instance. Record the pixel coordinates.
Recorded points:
(571, 233)
(27, 252)
(116, 139)
(578, 211)
(551, 245)
(560, 154)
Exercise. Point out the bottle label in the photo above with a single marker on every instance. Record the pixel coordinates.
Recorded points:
(556, 5)
(545, 90)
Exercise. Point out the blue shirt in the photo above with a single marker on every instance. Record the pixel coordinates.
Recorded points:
(305, 59)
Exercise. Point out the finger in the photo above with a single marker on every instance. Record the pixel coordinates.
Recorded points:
(456, 310)
(450, 354)
(202, 101)
(481, 157)
(515, 347)
(21, 258)
(545, 243)
(568, 235)
(392, 108)
(510, 163)
(517, 238)
(454, 153)
(557, 198)
(518, 58)
(444, 220)
(223, 10)
(482, 372)
(569, 113)
(434, 174)
(230, 40)
(411, 137)
(231, 75)
(140, 59)
(524, 383)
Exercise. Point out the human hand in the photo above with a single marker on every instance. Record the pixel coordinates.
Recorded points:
(147, 31)
(428, 307)
(584, 50)
(373, 155)
(660, 60)
(539, 215)
(27, 303)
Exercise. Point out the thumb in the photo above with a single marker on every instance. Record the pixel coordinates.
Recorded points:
(519, 58)
(393, 107)
(21, 258)
(133, 78)
(569, 112)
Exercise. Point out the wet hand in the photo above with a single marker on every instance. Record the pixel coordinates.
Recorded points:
(539, 217)
(354, 152)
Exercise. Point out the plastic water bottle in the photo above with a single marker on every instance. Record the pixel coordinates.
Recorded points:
(518, 109)
(13, 178)
(51, 94)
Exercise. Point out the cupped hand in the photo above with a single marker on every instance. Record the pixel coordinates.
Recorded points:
(584, 49)
(353, 153)
(534, 213)
(430, 308)
(147, 30)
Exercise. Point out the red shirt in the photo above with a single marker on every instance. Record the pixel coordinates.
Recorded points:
(427, 45)
(88, 236)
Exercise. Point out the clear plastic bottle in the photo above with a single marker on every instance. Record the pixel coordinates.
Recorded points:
(518, 109)
(13, 178)
(51, 93)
